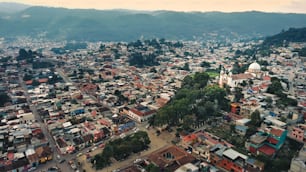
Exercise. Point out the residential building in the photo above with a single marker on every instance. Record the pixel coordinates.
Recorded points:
(298, 163)
(298, 133)
(170, 158)
(141, 113)
(267, 141)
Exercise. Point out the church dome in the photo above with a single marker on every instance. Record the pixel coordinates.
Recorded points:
(254, 67)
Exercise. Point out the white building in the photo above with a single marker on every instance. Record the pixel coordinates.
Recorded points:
(232, 80)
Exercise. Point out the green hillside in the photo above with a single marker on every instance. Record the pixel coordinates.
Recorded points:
(124, 25)
(291, 35)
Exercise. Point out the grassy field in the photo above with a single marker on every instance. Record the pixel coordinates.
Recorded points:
(212, 74)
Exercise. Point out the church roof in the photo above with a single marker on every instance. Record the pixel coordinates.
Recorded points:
(242, 76)
(254, 66)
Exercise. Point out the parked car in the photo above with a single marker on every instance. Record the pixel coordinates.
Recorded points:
(62, 161)
(122, 135)
(94, 148)
(73, 166)
(32, 169)
(137, 160)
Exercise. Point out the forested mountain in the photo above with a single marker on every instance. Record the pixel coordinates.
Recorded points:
(291, 35)
(125, 25)
(9, 7)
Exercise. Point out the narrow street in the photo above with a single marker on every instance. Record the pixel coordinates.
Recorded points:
(54, 162)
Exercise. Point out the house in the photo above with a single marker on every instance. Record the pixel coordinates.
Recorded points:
(227, 158)
(267, 142)
(201, 142)
(298, 133)
(187, 168)
(241, 129)
(230, 160)
(253, 165)
(32, 157)
(235, 108)
(44, 154)
(170, 158)
(77, 111)
(298, 162)
(141, 113)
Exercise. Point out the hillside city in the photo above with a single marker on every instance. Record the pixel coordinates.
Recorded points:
(152, 105)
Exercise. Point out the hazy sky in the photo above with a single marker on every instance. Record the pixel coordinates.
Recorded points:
(296, 6)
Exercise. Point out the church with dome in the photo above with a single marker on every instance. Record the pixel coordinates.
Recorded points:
(255, 70)
(233, 80)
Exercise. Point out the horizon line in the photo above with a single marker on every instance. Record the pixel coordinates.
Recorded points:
(153, 10)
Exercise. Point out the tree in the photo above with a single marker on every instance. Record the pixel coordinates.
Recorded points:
(232, 128)
(186, 67)
(23, 54)
(269, 101)
(238, 94)
(121, 148)
(275, 87)
(102, 48)
(250, 82)
(4, 98)
(35, 83)
(205, 64)
(27, 77)
(201, 113)
(152, 168)
(187, 121)
(255, 118)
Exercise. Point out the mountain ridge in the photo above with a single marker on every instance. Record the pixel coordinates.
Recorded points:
(126, 25)
(11, 7)
(284, 37)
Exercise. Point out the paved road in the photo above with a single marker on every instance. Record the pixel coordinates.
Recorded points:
(64, 166)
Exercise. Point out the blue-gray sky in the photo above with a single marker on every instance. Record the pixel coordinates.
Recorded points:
(292, 6)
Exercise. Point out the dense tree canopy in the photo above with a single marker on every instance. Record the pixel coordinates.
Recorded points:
(193, 103)
(41, 64)
(140, 60)
(277, 89)
(69, 47)
(121, 148)
(26, 55)
(291, 35)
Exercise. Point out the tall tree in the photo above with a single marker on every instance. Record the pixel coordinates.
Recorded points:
(255, 118)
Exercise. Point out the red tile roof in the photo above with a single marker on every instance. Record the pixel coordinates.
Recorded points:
(139, 113)
(242, 76)
(303, 104)
(255, 88)
(43, 80)
(252, 149)
(266, 78)
(267, 150)
(10, 156)
(276, 132)
(176, 155)
(190, 138)
(272, 140)
(29, 82)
